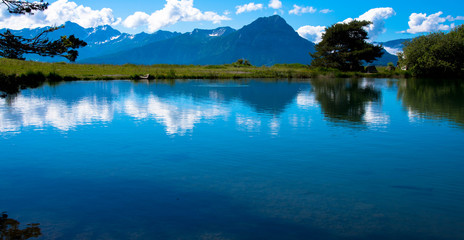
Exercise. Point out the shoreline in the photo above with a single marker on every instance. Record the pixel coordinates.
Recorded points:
(75, 71)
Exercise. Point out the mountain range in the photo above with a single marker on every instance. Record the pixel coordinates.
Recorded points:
(266, 41)
(394, 46)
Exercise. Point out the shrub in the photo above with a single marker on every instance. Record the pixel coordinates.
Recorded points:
(242, 63)
(436, 54)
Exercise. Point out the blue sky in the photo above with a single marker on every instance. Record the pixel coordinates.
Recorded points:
(392, 19)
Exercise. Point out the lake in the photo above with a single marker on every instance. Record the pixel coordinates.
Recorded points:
(249, 159)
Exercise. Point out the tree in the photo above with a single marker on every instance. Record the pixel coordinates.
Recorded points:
(22, 7)
(15, 47)
(12, 46)
(344, 47)
(435, 54)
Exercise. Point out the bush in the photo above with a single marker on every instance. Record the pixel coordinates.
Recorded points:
(242, 63)
(436, 54)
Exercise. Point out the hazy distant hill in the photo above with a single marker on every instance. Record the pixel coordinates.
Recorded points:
(385, 59)
(266, 41)
(394, 46)
(398, 43)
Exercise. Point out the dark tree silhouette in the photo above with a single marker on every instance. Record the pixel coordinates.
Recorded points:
(344, 47)
(9, 229)
(12, 46)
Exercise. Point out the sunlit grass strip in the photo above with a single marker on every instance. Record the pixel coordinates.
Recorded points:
(164, 71)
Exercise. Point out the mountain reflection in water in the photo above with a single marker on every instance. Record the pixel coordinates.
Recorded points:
(185, 104)
(310, 159)
(179, 107)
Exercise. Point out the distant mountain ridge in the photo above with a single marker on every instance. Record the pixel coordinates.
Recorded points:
(398, 43)
(394, 46)
(100, 40)
(266, 41)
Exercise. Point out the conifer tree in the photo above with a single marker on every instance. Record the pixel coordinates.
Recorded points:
(344, 47)
(12, 46)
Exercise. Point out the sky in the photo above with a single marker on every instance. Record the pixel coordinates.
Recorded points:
(391, 19)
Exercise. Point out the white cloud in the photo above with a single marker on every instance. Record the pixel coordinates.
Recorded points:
(326, 11)
(3, 11)
(377, 16)
(174, 11)
(392, 51)
(452, 19)
(58, 13)
(275, 4)
(312, 33)
(298, 10)
(420, 22)
(136, 19)
(248, 7)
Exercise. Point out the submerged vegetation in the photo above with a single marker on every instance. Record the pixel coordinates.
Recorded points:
(9, 229)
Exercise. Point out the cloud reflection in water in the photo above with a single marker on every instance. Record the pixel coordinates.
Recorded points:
(39, 112)
(254, 107)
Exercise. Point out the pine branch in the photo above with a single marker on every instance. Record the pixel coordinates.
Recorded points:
(23, 7)
(12, 46)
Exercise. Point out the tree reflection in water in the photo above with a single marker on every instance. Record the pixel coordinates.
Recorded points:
(436, 99)
(9, 229)
(344, 100)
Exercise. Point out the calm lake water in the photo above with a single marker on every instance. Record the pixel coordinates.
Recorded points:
(319, 159)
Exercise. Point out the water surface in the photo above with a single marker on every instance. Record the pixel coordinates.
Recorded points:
(319, 159)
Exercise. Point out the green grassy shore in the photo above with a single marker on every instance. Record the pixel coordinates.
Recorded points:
(23, 74)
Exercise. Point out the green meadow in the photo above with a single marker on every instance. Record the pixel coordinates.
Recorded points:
(71, 71)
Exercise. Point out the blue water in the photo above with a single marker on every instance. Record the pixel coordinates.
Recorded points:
(319, 159)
